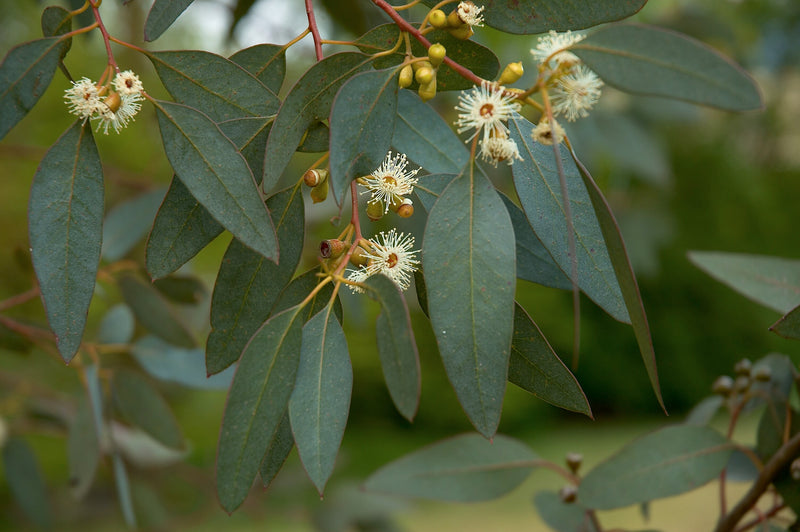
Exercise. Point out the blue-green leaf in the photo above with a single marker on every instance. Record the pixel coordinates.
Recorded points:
(161, 16)
(25, 481)
(153, 312)
(278, 449)
(117, 326)
(142, 405)
(561, 516)
(83, 451)
(123, 490)
(789, 325)
(65, 224)
(267, 62)
(175, 364)
(128, 222)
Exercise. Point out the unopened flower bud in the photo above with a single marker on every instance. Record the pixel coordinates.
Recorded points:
(427, 91)
(416, 65)
(424, 75)
(722, 386)
(568, 494)
(406, 77)
(320, 192)
(332, 248)
(741, 384)
(511, 73)
(359, 257)
(315, 176)
(743, 367)
(574, 461)
(113, 101)
(436, 54)
(375, 210)
(406, 208)
(762, 374)
(795, 469)
(437, 19)
(462, 32)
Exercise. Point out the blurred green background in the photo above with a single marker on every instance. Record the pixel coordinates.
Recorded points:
(679, 178)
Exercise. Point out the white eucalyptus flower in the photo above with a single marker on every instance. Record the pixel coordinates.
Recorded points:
(392, 256)
(83, 99)
(127, 83)
(498, 149)
(485, 108)
(576, 93)
(553, 47)
(390, 181)
(470, 14)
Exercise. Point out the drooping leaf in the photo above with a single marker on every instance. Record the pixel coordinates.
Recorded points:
(183, 226)
(83, 451)
(320, 402)
(174, 364)
(153, 312)
(25, 481)
(789, 325)
(308, 101)
(704, 411)
(123, 490)
(536, 368)
(267, 62)
(426, 138)
(217, 86)
(465, 468)
(256, 404)
(117, 326)
(129, 222)
(396, 345)
(666, 462)
(538, 187)
(278, 449)
(659, 62)
(216, 175)
(248, 285)
(161, 16)
(561, 516)
(361, 124)
(624, 274)
(476, 57)
(65, 224)
(95, 392)
(142, 405)
(469, 266)
(25, 74)
(185, 289)
(771, 281)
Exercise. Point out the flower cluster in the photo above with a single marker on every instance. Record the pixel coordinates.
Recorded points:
(390, 182)
(391, 254)
(108, 107)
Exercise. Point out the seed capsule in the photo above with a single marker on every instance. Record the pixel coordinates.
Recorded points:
(332, 249)
(406, 209)
(574, 461)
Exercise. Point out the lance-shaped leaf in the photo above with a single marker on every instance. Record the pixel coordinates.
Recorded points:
(25, 74)
(256, 404)
(300, 287)
(465, 468)
(218, 86)
(248, 285)
(57, 21)
(469, 266)
(278, 449)
(667, 462)
(183, 226)
(789, 325)
(267, 62)
(308, 101)
(426, 138)
(217, 175)
(186, 289)
(396, 345)
(362, 123)
(175, 364)
(25, 481)
(624, 274)
(83, 451)
(128, 222)
(536, 368)
(320, 401)
(771, 281)
(153, 312)
(65, 224)
(538, 187)
(648, 60)
(124, 495)
(161, 16)
(142, 405)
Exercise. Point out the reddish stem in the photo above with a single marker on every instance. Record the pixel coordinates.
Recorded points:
(18, 299)
(312, 25)
(106, 36)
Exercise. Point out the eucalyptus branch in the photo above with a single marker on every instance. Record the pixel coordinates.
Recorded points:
(104, 32)
(312, 25)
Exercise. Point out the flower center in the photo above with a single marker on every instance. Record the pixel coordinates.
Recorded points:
(486, 110)
(391, 260)
(389, 180)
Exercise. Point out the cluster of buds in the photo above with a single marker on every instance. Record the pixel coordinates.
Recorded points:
(317, 180)
(746, 375)
(111, 105)
(423, 72)
(389, 185)
(460, 21)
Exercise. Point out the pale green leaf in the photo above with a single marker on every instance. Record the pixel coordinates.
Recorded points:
(129, 222)
(561, 516)
(117, 326)
(83, 451)
(123, 490)
(154, 312)
(174, 364)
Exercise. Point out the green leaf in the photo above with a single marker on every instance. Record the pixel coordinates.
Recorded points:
(624, 274)
(185, 289)
(173, 364)
(771, 281)
(182, 226)
(480, 60)
(468, 259)
(296, 291)
(426, 138)
(658, 62)
(267, 62)
(161, 16)
(83, 451)
(669, 461)
(96, 400)
(142, 405)
(123, 491)
(256, 404)
(465, 468)
(536, 368)
(320, 402)
(789, 325)
(561, 516)
(396, 345)
(361, 124)
(217, 175)
(278, 449)
(25, 481)
(704, 411)
(65, 224)
(25, 74)
(317, 138)
(128, 222)
(117, 326)
(308, 101)
(153, 312)
(57, 21)
(538, 187)
(219, 87)
(777, 390)
(248, 285)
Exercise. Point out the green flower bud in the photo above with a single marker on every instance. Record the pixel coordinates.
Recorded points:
(511, 73)
(436, 54)
(722, 386)
(424, 75)
(762, 374)
(375, 210)
(437, 19)
(427, 91)
(320, 192)
(453, 20)
(406, 77)
(462, 32)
